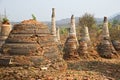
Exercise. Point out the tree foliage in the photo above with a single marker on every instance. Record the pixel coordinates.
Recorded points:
(63, 31)
(33, 17)
(115, 33)
(5, 21)
(87, 20)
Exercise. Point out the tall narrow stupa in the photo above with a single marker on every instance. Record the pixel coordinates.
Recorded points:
(71, 42)
(5, 30)
(53, 25)
(105, 30)
(73, 28)
(105, 48)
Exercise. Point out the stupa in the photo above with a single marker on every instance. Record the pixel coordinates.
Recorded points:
(84, 42)
(5, 30)
(71, 42)
(85, 49)
(53, 25)
(31, 43)
(105, 48)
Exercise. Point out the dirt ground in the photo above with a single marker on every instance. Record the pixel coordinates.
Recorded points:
(98, 69)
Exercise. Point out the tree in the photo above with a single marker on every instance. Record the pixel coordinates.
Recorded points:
(5, 21)
(115, 22)
(87, 20)
(33, 17)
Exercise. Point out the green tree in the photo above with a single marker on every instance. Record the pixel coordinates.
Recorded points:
(87, 20)
(63, 31)
(33, 17)
(5, 21)
(115, 22)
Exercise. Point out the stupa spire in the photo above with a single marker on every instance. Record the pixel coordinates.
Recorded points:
(53, 23)
(105, 28)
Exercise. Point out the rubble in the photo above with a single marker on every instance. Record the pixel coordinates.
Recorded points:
(116, 45)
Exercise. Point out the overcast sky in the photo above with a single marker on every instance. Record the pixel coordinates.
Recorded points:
(18, 10)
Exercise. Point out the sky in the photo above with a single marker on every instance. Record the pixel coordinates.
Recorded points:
(18, 10)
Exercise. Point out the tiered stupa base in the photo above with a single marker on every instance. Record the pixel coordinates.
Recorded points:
(86, 52)
(71, 49)
(30, 43)
(106, 50)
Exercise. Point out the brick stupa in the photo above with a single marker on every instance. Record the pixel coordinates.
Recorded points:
(5, 30)
(71, 43)
(105, 48)
(31, 43)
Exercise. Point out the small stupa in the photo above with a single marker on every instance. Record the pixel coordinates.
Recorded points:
(83, 42)
(58, 34)
(5, 30)
(71, 42)
(85, 35)
(105, 48)
(53, 25)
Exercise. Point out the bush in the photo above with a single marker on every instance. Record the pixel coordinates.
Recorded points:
(5, 21)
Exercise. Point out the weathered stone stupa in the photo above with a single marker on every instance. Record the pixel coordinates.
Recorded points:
(23, 39)
(83, 48)
(53, 25)
(86, 49)
(105, 48)
(83, 42)
(86, 36)
(71, 42)
(31, 43)
(58, 34)
(105, 30)
(5, 30)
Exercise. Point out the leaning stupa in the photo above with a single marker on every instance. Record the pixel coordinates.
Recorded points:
(31, 43)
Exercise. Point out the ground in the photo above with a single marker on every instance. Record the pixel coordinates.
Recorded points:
(96, 69)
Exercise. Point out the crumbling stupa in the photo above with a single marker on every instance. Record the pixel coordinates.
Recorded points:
(105, 48)
(71, 42)
(31, 43)
(83, 48)
(5, 30)
(83, 42)
(86, 50)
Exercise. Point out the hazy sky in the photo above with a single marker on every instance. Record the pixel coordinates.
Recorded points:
(18, 10)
